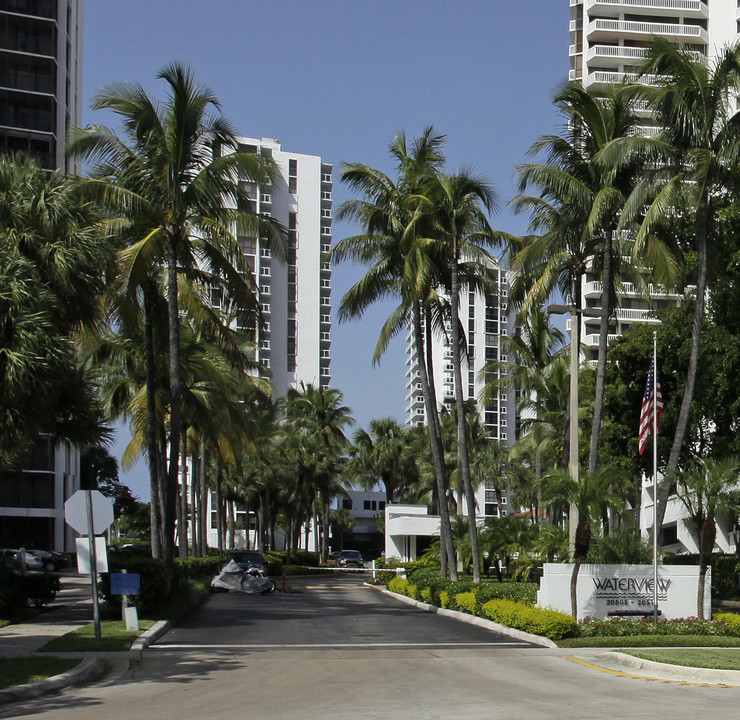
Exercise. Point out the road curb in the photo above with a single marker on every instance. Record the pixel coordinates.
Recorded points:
(470, 619)
(152, 634)
(89, 669)
(676, 672)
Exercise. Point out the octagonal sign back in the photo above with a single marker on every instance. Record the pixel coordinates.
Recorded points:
(75, 512)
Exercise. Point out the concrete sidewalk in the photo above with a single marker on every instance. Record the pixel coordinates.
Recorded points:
(72, 608)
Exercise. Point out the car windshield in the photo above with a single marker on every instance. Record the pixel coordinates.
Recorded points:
(354, 554)
(247, 557)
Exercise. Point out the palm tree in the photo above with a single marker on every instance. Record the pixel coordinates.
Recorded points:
(55, 258)
(697, 152)
(590, 495)
(458, 204)
(381, 453)
(177, 175)
(325, 417)
(393, 216)
(707, 490)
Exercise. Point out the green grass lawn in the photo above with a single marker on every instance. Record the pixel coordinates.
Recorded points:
(682, 641)
(19, 671)
(114, 637)
(715, 658)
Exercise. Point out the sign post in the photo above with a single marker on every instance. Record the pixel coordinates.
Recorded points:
(90, 512)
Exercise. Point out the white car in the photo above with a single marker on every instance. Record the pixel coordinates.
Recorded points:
(12, 558)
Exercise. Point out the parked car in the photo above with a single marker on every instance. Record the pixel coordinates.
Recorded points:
(11, 557)
(246, 559)
(52, 561)
(346, 558)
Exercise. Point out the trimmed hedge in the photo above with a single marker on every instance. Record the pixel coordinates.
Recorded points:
(547, 623)
(625, 627)
(732, 620)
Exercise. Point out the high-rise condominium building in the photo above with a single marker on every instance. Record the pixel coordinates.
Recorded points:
(608, 44)
(485, 323)
(40, 100)
(295, 295)
(40, 76)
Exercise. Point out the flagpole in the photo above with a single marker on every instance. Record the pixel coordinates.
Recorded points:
(655, 477)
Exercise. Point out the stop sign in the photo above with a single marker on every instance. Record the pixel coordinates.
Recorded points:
(75, 511)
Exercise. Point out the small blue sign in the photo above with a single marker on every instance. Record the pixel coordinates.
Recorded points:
(125, 583)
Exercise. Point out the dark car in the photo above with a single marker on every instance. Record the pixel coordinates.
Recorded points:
(346, 559)
(246, 559)
(52, 561)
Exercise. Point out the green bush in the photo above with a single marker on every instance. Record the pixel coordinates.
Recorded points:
(39, 590)
(623, 627)
(444, 599)
(398, 585)
(524, 592)
(426, 595)
(11, 594)
(547, 623)
(732, 620)
(467, 602)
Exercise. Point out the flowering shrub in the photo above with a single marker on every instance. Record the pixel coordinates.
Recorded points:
(621, 627)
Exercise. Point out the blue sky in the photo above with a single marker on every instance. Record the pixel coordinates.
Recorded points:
(337, 78)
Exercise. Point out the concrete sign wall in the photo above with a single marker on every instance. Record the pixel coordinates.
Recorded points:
(605, 590)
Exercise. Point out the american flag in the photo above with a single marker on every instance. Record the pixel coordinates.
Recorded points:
(646, 414)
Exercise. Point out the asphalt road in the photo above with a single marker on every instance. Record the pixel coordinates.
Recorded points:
(337, 650)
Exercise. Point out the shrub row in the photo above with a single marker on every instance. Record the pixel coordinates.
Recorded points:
(547, 623)
(487, 600)
(160, 585)
(724, 624)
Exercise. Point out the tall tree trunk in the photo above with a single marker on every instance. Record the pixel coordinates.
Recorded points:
(195, 510)
(664, 490)
(183, 535)
(447, 548)
(151, 429)
(175, 402)
(220, 519)
(708, 534)
(205, 516)
(463, 457)
(325, 513)
(606, 311)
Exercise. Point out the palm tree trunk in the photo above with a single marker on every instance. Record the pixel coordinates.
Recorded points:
(702, 231)
(175, 402)
(706, 546)
(183, 535)
(195, 509)
(151, 429)
(463, 458)
(205, 518)
(447, 549)
(606, 281)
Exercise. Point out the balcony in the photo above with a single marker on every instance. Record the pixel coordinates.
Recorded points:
(614, 29)
(592, 341)
(687, 8)
(599, 79)
(615, 55)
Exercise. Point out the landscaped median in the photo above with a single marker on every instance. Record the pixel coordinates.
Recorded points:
(511, 605)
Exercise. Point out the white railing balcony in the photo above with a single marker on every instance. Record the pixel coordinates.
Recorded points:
(573, 3)
(572, 26)
(572, 50)
(631, 28)
(636, 315)
(693, 8)
(616, 54)
(608, 78)
(592, 341)
(573, 75)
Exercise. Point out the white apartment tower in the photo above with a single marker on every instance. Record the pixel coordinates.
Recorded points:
(40, 77)
(484, 324)
(295, 295)
(608, 44)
